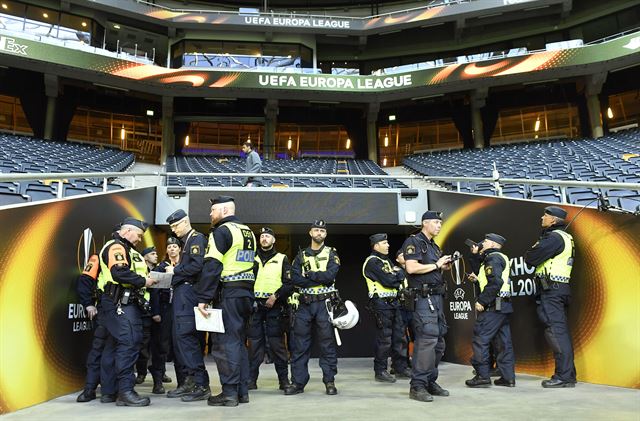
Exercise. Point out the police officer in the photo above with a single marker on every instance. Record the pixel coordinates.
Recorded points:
(494, 309)
(383, 280)
(228, 275)
(89, 296)
(314, 272)
(123, 278)
(272, 288)
(553, 255)
(186, 277)
(424, 263)
(162, 322)
(150, 256)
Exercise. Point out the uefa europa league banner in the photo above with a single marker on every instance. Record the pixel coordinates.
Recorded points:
(44, 331)
(604, 315)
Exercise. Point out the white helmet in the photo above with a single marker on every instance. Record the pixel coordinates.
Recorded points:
(347, 318)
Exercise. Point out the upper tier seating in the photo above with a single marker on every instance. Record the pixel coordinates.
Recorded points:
(608, 159)
(22, 154)
(311, 166)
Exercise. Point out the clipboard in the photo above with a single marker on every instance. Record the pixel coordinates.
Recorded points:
(164, 279)
(213, 323)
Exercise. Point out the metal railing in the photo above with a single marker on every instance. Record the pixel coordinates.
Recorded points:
(562, 184)
(61, 178)
(294, 14)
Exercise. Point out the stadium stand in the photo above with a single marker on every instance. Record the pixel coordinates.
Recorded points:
(22, 154)
(613, 158)
(226, 164)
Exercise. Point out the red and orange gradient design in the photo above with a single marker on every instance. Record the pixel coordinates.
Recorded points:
(32, 369)
(606, 339)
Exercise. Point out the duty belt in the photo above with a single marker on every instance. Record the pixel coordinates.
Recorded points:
(238, 284)
(427, 290)
(312, 298)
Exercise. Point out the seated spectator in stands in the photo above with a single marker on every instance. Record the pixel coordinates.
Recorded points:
(254, 165)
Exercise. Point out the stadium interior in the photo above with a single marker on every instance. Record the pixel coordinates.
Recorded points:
(365, 114)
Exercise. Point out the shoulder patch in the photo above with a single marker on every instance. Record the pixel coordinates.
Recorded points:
(410, 249)
(488, 270)
(195, 249)
(336, 259)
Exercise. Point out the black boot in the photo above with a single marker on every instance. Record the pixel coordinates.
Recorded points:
(420, 394)
(158, 388)
(504, 382)
(86, 396)
(284, 383)
(478, 381)
(222, 400)
(199, 393)
(404, 374)
(293, 389)
(140, 378)
(131, 398)
(243, 399)
(166, 379)
(187, 387)
(108, 398)
(253, 385)
(331, 388)
(435, 389)
(385, 377)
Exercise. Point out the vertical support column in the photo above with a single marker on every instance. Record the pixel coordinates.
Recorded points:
(270, 122)
(372, 131)
(478, 100)
(593, 88)
(51, 86)
(168, 146)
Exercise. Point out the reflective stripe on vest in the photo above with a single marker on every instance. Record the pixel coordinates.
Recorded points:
(318, 263)
(376, 288)
(269, 277)
(237, 262)
(559, 267)
(136, 264)
(506, 285)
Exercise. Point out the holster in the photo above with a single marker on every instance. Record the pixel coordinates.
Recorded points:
(498, 303)
(543, 279)
(407, 298)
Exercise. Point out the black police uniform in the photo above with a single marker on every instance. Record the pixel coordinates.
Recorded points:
(161, 337)
(492, 324)
(186, 345)
(553, 305)
(390, 333)
(90, 295)
(312, 312)
(270, 324)
(235, 299)
(123, 322)
(429, 324)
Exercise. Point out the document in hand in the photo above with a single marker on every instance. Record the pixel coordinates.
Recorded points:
(163, 279)
(213, 323)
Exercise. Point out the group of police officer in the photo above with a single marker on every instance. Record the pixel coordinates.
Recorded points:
(255, 287)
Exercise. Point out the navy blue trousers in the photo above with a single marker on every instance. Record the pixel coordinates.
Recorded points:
(94, 376)
(186, 346)
(429, 328)
(390, 337)
(123, 342)
(230, 349)
(492, 326)
(552, 311)
(307, 318)
(267, 326)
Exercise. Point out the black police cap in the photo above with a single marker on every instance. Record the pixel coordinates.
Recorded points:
(496, 237)
(136, 223)
(319, 223)
(556, 211)
(376, 238)
(148, 250)
(221, 199)
(173, 240)
(176, 216)
(431, 215)
(267, 230)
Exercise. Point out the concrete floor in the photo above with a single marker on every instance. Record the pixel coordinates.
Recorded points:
(360, 398)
